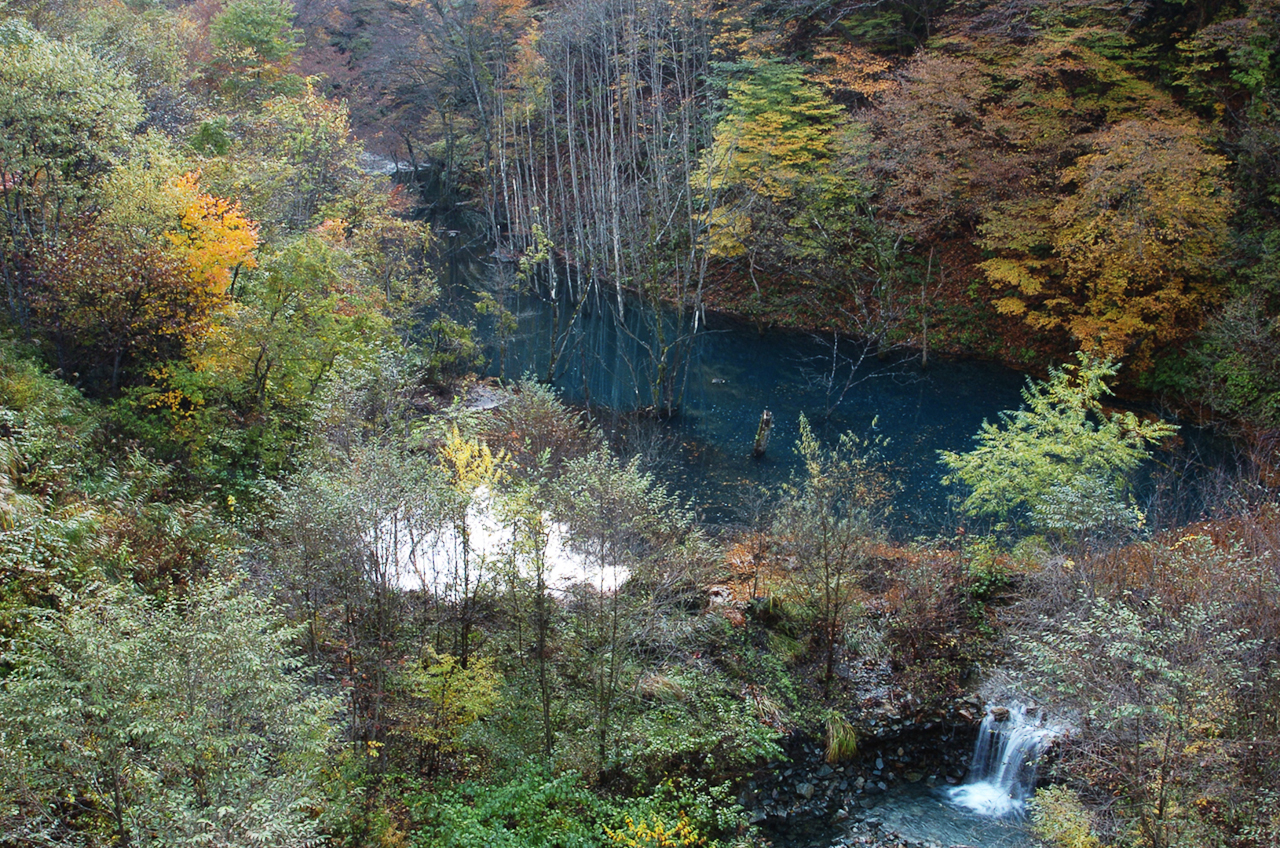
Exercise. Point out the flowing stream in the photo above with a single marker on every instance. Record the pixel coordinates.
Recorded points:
(927, 816)
(1003, 772)
(987, 811)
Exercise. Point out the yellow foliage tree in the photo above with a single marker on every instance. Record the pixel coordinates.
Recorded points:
(213, 238)
(447, 697)
(847, 68)
(471, 463)
(777, 135)
(472, 469)
(156, 198)
(1125, 259)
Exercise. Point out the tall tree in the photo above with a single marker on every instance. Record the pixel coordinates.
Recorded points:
(1159, 686)
(132, 722)
(600, 131)
(110, 305)
(830, 519)
(777, 136)
(447, 86)
(213, 237)
(300, 164)
(640, 555)
(67, 117)
(356, 533)
(254, 41)
(1061, 460)
(1127, 259)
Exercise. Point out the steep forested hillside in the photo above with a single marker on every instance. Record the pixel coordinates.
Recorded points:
(1025, 178)
(276, 571)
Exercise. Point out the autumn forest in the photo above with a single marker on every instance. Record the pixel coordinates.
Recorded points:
(289, 556)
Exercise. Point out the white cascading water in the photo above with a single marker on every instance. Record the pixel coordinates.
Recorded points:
(1003, 772)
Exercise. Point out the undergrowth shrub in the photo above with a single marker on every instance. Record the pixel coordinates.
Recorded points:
(1060, 818)
(535, 809)
(1168, 646)
(841, 739)
(933, 639)
(655, 833)
(532, 810)
(538, 432)
(711, 733)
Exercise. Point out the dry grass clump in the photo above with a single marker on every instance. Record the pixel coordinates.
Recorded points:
(842, 739)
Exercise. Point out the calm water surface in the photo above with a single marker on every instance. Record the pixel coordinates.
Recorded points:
(729, 375)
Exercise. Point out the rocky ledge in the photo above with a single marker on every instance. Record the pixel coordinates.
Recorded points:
(896, 746)
(806, 801)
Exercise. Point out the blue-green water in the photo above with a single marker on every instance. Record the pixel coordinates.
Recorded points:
(727, 375)
(730, 373)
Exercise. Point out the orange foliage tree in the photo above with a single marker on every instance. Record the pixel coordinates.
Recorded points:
(976, 123)
(1126, 259)
(108, 304)
(1099, 208)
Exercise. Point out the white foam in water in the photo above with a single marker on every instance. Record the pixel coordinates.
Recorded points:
(985, 799)
(1003, 772)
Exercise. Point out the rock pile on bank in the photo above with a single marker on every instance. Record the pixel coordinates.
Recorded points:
(896, 747)
(900, 744)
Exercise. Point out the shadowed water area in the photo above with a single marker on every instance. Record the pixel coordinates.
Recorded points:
(726, 376)
(735, 373)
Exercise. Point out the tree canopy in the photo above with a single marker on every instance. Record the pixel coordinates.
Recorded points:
(1061, 461)
(163, 723)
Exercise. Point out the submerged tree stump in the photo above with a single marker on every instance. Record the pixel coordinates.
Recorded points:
(762, 433)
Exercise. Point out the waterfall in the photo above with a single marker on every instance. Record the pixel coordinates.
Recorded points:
(1003, 772)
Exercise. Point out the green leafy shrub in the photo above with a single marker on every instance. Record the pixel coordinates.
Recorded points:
(44, 424)
(1060, 462)
(711, 733)
(706, 810)
(539, 432)
(531, 810)
(534, 809)
(448, 350)
(212, 138)
(1060, 818)
(180, 723)
(986, 568)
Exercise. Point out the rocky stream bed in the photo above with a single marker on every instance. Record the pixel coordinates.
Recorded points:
(893, 794)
